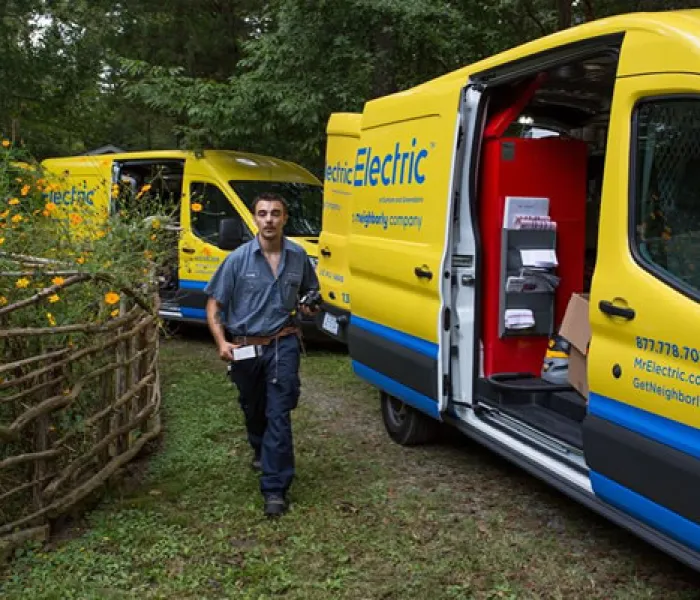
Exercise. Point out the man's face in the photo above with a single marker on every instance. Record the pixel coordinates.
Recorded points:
(270, 217)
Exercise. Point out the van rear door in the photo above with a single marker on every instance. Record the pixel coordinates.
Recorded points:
(343, 132)
(642, 437)
(399, 241)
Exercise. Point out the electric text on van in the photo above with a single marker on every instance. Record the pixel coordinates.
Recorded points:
(551, 189)
(219, 185)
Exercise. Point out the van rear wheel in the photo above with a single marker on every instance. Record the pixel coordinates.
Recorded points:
(404, 424)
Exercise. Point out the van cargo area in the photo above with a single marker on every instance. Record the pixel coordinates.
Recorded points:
(536, 209)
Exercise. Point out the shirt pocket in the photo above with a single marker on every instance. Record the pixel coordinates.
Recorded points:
(252, 286)
(290, 290)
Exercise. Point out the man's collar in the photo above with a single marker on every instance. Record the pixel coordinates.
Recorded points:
(256, 244)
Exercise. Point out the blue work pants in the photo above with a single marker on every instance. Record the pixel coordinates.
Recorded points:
(269, 388)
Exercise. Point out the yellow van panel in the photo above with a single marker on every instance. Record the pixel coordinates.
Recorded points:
(401, 183)
(343, 131)
(658, 351)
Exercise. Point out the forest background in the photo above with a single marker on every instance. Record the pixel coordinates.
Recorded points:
(252, 75)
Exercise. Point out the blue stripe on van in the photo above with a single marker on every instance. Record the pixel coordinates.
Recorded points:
(678, 527)
(191, 284)
(660, 429)
(398, 390)
(419, 345)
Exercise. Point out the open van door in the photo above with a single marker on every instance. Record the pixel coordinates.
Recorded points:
(461, 367)
(400, 259)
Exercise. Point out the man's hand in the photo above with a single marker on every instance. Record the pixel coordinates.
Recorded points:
(226, 351)
(309, 312)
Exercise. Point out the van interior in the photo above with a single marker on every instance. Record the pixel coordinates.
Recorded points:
(165, 178)
(544, 137)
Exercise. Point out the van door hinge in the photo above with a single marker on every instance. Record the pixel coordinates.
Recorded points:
(446, 385)
(446, 319)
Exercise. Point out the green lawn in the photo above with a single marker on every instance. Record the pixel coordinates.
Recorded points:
(370, 519)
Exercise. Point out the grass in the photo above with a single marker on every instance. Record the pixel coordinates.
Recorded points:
(370, 519)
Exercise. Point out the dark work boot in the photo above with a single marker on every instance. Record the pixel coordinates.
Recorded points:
(275, 506)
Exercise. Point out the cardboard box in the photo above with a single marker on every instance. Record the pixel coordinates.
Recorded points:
(576, 328)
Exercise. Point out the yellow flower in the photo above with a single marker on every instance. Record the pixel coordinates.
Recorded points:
(2, 241)
(115, 312)
(6, 143)
(13, 202)
(51, 319)
(146, 187)
(22, 283)
(55, 298)
(75, 219)
(148, 254)
(153, 237)
(4, 213)
(80, 260)
(155, 224)
(3, 300)
(196, 207)
(25, 190)
(111, 298)
(58, 281)
(45, 213)
(17, 218)
(50, 206)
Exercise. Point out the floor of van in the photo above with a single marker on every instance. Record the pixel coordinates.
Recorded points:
(555, 410)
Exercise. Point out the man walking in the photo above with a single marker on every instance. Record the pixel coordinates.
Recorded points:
(257, 288)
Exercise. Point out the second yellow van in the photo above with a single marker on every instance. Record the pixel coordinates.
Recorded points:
(203, 189)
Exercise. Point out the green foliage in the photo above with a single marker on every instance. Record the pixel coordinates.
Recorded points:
(50, 250)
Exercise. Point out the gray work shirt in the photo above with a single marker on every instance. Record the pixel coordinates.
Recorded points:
(254, 302)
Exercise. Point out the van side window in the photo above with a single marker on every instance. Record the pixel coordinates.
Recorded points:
(208, 205)
(667, 190)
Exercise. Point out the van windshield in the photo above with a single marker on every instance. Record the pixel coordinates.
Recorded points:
(305, 203)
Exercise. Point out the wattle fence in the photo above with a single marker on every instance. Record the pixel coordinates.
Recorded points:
(77, 403)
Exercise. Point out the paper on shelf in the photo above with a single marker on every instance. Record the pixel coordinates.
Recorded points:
(539, 258)
(519, 318)
(523, 206)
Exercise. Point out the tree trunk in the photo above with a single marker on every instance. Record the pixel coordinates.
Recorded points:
(564, 11)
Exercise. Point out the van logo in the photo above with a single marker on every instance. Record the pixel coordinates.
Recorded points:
(401, 165)
(71, 196)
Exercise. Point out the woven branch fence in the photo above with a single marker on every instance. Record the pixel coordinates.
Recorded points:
(74, 414)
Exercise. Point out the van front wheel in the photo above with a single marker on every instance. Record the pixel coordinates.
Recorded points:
(404, 424)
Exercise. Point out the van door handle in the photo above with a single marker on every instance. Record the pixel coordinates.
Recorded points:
(325, 252)
(423, 272)
(609, 308)
(188, 250)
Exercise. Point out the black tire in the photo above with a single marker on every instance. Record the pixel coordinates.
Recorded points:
(404, 424)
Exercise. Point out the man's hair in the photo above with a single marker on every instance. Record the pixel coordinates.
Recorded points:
(269, 197)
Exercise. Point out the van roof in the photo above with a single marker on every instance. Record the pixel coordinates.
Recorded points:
(235, 164)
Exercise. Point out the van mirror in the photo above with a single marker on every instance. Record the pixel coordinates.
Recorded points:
(232, 234)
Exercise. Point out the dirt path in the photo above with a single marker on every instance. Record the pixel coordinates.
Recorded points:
(471, 485)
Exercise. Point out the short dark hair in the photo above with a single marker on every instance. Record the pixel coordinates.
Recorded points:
(269, 197)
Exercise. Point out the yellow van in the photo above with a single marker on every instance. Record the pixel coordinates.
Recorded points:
(220, 184)
(343, 132)
(524, 264)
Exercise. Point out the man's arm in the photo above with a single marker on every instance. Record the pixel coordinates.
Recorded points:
(219, 288)
(217, 329)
